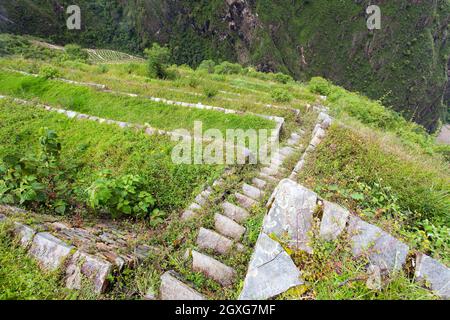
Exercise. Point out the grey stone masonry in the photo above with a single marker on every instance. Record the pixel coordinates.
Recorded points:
(271, 271)
(24, 233)
(174, 289)
(334, 221)
(382, 249)
(260, 184)
(234, 212)
(228, 227)
(245, 201)
(49, 251)
(208, 239)
(93, 268)
(252, 192)
(291, 213)
(213, 269)
(433, 274)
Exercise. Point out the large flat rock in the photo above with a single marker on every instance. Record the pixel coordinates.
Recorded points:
(49, 251)
(174, 289)
(95, 269)
(291, 214)
(334, 221)
(434, 274)
(271, 271)
(382, 249)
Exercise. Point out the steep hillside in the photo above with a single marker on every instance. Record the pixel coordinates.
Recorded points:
(304, 38)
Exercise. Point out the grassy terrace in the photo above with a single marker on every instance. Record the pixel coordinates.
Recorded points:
(232, 91)
(110, 106)
(89, 147)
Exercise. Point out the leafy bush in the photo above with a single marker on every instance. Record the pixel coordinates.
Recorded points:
(228, 68)
(102, 68)
(75, 52)
(320, 86)
(210, 91)
(281, 95)
(35, 178)
(283, 78)
(158, 61)
(48, 72)
(207, 65)
(121, 196)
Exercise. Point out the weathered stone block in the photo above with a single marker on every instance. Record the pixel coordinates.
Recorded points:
(271, 271)
(252, 192)
(210, 240)
(213, 269)
(381, 248)
(245, 201)
(228, 227)
(49, 251)
(334, 221)
(24, 233)
(93, 268)
(174, 289)
(434, 274)
(260, 184)
(234, 212)
(292, 214)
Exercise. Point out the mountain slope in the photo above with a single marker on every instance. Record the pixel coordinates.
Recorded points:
(404, 63)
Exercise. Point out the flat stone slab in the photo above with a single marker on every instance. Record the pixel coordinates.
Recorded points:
(287, 151)
(210, 240)
(271, 271)
(83, 265)
(24, 233)
(234, 212)
(291, 214)
(213, 269)
(260, 184)
(267, 178)
(252, 192)
(174, 289)
(49, 251)
(434, 274)
(228, 227)
(382, 249)
(245, 201)
(188, 214)
(334, 221)
(270, 171)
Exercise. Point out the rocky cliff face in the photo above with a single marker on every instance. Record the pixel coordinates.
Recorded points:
(404, 63)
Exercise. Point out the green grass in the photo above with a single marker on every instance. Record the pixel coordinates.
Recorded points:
(20, 276)
(89, 147)
(376, 177)
(135, 110)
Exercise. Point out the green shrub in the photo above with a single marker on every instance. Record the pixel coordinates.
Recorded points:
(210, 91)
(102, 69)
(281, 95)
(158, 61)
(207, 65)
(320, 86)
(228, 68)
(121, 196)
(283, 78)
(75, 52)
(48, 72)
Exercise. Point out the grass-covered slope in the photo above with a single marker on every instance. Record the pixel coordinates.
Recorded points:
(404, 63)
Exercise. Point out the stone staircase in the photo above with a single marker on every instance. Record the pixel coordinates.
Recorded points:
(229, 230)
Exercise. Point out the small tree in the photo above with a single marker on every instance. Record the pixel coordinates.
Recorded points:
(75, 52)
(158, 61)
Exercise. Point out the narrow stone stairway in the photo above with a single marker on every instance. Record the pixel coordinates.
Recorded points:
(229, 230)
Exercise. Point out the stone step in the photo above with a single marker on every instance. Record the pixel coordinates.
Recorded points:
(213, 269)
(174, 289)
(260, 184)
(245, 201)
(188, 214)
(252, 192)
(228, 227)
(234, 212)
(287, 151)
(211, 240)
(270, 171)
(268, 178)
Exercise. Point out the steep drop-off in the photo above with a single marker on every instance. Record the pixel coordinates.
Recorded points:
(404, 64)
